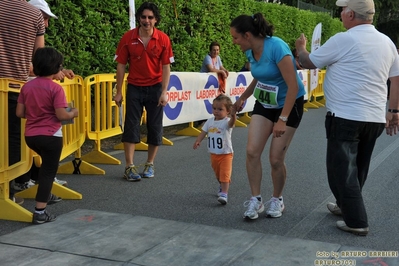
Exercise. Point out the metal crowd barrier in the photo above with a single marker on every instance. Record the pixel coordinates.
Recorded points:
(316, 96)
(9, 210)
(74, 135)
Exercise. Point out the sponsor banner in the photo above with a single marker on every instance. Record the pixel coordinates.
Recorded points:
(132, 14)
(190, 95)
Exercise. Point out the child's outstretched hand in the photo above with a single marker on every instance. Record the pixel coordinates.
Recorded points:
(196, 145)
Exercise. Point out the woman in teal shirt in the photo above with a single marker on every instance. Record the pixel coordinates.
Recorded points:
(278, 107)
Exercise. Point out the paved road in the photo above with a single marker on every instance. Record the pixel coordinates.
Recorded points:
(184, 189)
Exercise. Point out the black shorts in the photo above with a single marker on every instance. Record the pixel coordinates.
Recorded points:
(272, 114)
(137, 98)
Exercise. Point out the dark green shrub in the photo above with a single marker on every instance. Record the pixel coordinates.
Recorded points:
(88, 31)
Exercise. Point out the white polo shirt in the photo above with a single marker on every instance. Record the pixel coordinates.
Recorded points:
(359, 63)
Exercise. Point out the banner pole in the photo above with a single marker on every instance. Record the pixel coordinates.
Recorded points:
(132, 14)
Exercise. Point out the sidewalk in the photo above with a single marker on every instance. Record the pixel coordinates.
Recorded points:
(100, 238)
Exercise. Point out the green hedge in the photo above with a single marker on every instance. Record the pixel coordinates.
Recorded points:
(88, 31)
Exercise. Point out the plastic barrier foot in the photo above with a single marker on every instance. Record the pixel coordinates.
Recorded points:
(322, 101)
(78, 166)
(100, 157)
(29, 193)
(139, 146)
(245, 118)
(189, 131)
(13, 212)
(142, 146)
(165, 141)
(318, 103)
(310, 105)
(119, 146)
(65, 193)
(240, 124)
(58, 190)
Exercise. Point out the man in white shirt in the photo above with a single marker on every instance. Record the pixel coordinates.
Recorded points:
(359, 62)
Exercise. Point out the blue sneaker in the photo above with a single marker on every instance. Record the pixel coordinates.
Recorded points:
(131, 174)
(148, 170)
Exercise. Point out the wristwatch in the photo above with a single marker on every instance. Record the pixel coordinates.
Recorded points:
(283, 118)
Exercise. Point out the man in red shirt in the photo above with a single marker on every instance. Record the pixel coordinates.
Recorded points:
(148, 52)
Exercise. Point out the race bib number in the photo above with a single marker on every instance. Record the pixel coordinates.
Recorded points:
(266, 95)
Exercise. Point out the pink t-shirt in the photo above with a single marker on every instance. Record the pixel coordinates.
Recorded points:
(41, 96)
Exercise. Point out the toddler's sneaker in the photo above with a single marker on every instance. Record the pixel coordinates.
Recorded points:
(148, 170)
(275, 208)
(223, 198)
(254, 206)
(131, 174)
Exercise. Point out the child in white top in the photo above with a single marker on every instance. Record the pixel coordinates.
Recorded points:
(219, 128)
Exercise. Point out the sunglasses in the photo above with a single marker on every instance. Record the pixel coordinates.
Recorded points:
(149, 17)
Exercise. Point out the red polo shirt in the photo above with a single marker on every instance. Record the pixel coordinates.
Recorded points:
(145, 63)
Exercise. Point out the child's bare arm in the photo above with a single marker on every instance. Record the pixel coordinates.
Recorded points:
(62, 114)
(20, 111)
(233, 117)
(200, 137)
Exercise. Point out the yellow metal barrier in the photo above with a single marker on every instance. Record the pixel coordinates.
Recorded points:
(74, 135)
(102, 115)
(73, 139)
(9, 210)
(102, 110)
(316, 96)
(318, 93)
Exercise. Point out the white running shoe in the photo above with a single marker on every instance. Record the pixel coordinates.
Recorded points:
(275, 208)
(23, 186)
(254, 206)
(60, 182)
(31, 183)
